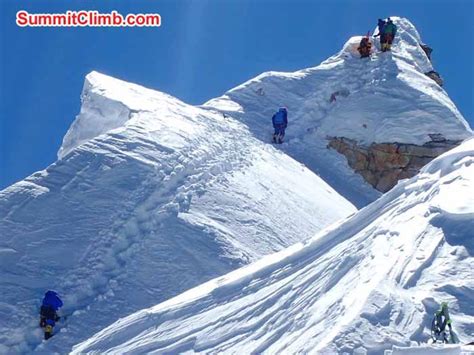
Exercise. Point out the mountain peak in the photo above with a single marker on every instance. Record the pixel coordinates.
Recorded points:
(390, 99)
(150, 197)
(109, 103)
(408, 46)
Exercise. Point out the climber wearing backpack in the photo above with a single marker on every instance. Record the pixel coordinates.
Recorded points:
(48, 313)
(280, 121)
(441, 319)
(364, 47)
(381, 27)
(390, 30)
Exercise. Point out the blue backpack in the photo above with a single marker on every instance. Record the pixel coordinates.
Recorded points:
(51, 299)
(280, 117)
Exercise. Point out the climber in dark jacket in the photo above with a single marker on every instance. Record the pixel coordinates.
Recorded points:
(48, 312)
(381, 27)
(280, 122)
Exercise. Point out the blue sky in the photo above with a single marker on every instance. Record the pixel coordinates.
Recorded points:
(203, 48)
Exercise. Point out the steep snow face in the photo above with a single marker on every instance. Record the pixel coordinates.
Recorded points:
(151, 197)
(106, 105)
(366, 283)
(382, 99)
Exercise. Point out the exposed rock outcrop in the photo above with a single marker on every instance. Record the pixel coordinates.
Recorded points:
(427, 49)
(433, 75)
(383, 164)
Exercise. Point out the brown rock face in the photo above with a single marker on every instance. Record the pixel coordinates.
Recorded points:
(383, 164)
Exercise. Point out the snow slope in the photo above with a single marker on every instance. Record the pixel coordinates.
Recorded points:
(364, 284)
(150, 198)
(435, 349)
(384, 99)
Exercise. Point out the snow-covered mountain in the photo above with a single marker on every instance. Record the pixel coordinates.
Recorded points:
(383, 99)
(150, 198)
(371, 281)
(362, 285)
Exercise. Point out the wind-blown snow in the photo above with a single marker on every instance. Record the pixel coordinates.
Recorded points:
(364, 284)
(386, 98)
(150, 197)
(435, 349)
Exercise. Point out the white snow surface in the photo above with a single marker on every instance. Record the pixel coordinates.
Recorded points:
(384, 99)
(151, 197)
(435, 349)
(360, 286)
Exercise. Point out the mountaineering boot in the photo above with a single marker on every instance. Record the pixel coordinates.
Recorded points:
(48, 332)
(280, 139)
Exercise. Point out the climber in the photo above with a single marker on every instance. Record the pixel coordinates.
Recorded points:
(364, 47)
(48, 313)
(381, 26)
(389, 32)
(280, 121)
(441, 319)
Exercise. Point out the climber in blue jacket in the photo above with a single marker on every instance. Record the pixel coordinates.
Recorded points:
(280, 122)
(48, 312)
